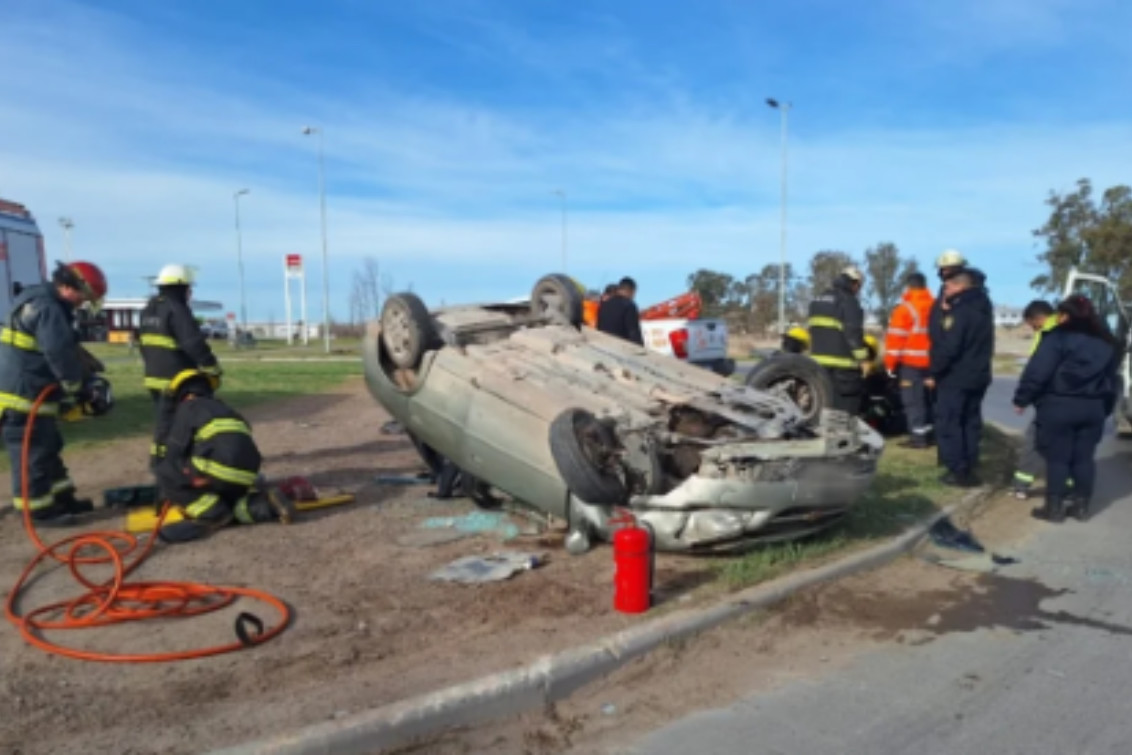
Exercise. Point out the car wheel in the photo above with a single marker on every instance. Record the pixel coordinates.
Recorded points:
(797, 378)
(557, 295)
(585, 452)
(406, 330)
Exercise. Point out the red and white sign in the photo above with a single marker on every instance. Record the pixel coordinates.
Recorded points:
(231, 317)
(294, 263)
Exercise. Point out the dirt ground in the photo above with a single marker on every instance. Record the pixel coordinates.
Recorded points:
(909, 602)
(369, 627)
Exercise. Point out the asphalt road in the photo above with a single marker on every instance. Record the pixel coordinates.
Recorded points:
(1051, 674)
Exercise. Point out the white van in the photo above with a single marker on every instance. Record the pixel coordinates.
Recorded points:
(22, 259)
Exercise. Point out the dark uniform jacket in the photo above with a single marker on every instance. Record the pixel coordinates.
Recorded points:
(978, 278)
(837, 329)
(171, 341)
(38, 347)
(962, 341)
(619, 316)
(209, 439)
(1070, 364)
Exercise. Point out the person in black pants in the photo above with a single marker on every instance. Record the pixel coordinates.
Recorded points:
(1072, 381)
(962, 347)
(837, 339)
(619, 316)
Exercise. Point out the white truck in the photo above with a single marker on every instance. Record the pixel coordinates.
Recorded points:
(23, 261)
(702, 342)
(1106, 298)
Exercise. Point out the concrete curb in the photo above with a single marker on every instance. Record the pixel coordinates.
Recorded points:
(555, 677)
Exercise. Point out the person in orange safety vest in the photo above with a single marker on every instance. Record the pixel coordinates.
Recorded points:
(906, 356)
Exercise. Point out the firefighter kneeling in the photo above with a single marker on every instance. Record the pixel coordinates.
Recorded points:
(211, 465)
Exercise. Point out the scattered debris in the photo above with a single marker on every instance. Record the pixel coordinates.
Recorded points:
(392, 427)
(945, 534)
(476, 523)
(494, 568)
(609, 709)
(430, 538)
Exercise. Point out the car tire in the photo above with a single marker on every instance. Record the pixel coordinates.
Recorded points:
(798, 378)
(557, 295)
(406, 330)
(579, 443)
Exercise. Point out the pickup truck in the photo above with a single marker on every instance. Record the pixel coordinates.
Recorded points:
(675, 328)
(1106, 298)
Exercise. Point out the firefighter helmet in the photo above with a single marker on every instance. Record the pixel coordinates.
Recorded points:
(175, 275)
(799, 334)
(85, 277)
(853, 273)
(950, 258)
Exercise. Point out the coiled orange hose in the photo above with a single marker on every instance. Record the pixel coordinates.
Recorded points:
(116, 601)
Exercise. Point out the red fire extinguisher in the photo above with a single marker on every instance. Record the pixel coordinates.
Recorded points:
(633, 562)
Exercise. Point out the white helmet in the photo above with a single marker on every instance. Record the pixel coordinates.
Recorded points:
(950, 258)
(175, 275)
(853, 273)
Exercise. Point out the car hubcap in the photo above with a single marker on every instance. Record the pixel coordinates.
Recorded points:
(397, 331)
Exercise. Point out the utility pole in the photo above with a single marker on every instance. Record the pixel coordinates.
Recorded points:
(784, 108)
(562, 196)
(240, 262)
(67, 225)
(307, 131)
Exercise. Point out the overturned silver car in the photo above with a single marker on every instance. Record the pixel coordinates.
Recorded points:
(576, 424)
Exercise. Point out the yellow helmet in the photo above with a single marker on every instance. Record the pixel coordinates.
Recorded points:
(872, 342)
(799, 334)
(184, 376)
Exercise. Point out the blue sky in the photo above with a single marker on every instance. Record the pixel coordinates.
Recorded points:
(449, 125)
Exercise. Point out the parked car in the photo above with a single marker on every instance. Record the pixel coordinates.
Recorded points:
(675, 327)
(577, 424)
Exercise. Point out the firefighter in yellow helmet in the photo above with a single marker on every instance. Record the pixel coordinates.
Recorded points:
(171, 342)
(796, 341)
(837, 339)
(211, 465)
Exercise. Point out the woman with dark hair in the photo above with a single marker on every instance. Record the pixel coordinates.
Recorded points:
(1071, 381)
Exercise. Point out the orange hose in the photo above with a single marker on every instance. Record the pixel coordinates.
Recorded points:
(116, 601)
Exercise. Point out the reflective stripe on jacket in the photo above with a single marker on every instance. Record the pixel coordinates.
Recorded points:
(209, 439)
(171, 341)
(907, 341)
(38, 348)
(837, 330)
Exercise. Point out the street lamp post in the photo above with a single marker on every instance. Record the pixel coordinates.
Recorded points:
(562, 196)
(784, 108)
(309, 130)
(240, 262)
(67, 225)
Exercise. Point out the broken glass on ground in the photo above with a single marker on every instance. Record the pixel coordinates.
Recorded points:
(493, 568)
(476, 523)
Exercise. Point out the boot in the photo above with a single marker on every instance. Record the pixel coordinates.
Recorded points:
(1053, 510)
(1077, 507)
(72, 505)
(270, 505)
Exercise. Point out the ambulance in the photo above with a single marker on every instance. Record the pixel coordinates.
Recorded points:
(22, 259)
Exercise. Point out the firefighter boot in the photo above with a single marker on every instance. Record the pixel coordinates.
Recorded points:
(270, 505)
(73, 505)
(1053, 510)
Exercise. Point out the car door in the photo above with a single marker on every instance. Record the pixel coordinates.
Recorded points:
(1107, 300)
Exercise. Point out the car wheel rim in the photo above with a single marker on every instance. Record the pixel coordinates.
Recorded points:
(397, 331)
(798, 391)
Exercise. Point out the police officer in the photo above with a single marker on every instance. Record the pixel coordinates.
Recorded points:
(962, 347)
(39, 348)
(171, 342)
(1041, 318)
(211, 464)
(1072, 381)
(837, 339)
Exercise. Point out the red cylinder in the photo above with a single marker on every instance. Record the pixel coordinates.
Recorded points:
(633, 562)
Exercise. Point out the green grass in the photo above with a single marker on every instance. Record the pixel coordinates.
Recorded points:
(245, 384)
(905, 490)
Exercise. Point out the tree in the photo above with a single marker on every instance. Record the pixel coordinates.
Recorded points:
(716, 289)
(365, 293)
(825, 266)
(1081, 232)
(885, 271)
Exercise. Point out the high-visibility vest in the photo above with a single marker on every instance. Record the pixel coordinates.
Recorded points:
(907, 341)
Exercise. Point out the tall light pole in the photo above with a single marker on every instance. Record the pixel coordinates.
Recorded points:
(562, 196)
(67, 225)
(240, 262)
(784, 108)
(308, 130)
